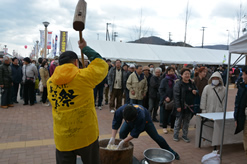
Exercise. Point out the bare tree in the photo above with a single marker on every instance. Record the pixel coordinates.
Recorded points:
(187, 16)
(240, 15)
(140, 31)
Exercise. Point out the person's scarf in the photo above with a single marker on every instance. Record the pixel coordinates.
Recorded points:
(171, 78)
(141, 76)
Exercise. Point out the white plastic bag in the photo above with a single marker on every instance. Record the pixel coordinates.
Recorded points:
(41, 86)
(211, 158)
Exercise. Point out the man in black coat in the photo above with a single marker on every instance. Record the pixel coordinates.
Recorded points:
(184, 93)
(6, 83)
(154, 95)
(17, 77)
(240, 110)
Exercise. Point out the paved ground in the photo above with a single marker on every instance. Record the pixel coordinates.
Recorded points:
(27, 137)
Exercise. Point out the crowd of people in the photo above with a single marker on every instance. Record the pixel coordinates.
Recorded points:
(26, 78)
(175, 95)
(179, 94)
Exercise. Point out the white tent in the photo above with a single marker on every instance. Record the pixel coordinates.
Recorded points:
(238, 46)
(134, 52)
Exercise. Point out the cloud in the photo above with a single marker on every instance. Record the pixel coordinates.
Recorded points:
(225, 10)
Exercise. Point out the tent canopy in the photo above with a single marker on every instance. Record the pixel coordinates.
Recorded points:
(239, 46)
(153, 53)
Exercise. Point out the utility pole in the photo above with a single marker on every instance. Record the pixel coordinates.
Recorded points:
(203, 28)
(114, 36)
(107, 32)
(187, 14)
(227, 40)
(170, 40)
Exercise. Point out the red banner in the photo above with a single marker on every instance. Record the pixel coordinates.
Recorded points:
(49, 40)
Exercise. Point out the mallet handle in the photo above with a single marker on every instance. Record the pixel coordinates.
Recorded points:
(82, 56)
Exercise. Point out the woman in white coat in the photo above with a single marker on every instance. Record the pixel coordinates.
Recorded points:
(213, 95)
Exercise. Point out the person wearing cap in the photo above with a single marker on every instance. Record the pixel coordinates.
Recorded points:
(137, 85)
(86, 61)
(53, 65)
(148, 75)
(125, 74)
(17, 78)
(136, 120)
(6, 83)
(70, 92)
(131, 69)
(30, 73)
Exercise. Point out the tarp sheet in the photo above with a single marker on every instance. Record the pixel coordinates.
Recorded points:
(239, 46)
(134, 52)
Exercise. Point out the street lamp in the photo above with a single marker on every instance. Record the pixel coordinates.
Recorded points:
(37, 52)
(227, 40)
(46, 25)
(203, 28)
(5, 50)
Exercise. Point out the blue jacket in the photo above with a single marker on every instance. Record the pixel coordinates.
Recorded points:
(138, 125)
(239, 111)
(16, 73)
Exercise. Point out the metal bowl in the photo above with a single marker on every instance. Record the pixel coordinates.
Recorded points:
(158, 156)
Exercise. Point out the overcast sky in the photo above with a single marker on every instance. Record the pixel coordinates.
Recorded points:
(21, 20)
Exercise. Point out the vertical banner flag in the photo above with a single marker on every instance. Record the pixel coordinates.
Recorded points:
(63, 41)
(53, 46)
(55, 50)
(42, 38)
(224, 60)
(49, 40)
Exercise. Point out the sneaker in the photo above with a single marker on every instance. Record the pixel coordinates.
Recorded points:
(175, 138)
(10, 105)
(185, 139)
(112, 111)
(99, 107)
(45, 104)
(165, 131)
(177, 157)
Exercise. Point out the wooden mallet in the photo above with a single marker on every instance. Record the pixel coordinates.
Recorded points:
(79, 21)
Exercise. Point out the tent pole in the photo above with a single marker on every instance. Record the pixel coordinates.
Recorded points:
(238, 60)
(225, 107)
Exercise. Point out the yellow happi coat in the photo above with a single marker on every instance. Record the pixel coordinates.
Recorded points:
(70, 91)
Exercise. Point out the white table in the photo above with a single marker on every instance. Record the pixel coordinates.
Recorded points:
(209, 129)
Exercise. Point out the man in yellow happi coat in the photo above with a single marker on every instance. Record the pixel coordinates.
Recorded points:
(70, 91)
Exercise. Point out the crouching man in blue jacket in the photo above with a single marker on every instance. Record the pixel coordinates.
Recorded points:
(137, 120)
